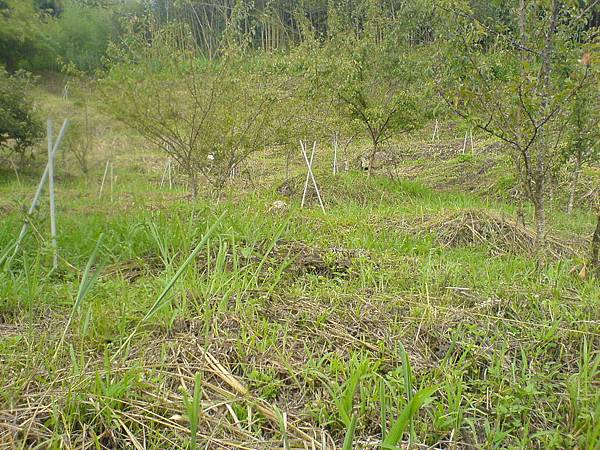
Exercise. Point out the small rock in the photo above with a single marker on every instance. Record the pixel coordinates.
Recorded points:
(279, 206)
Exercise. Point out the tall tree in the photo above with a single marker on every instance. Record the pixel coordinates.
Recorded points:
(22, 34)
(514, 82)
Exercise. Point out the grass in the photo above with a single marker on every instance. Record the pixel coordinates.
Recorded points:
(357, 328)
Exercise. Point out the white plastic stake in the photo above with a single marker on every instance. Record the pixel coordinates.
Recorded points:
(472, 145)
(335, 149)
(103, 179)
(51, 192)
(310, 172)
(436, 132)
(162, 180)
(40, 188)
(302, 146)
(111, 181)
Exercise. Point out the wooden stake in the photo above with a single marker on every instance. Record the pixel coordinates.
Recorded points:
(51, 193)
(465, 142)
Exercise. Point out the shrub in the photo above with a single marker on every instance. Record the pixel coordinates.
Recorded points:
(20, 127)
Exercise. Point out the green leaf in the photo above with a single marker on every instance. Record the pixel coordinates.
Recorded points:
(349, 437)
(420, 399)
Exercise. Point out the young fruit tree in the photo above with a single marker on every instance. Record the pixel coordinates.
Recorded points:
(314, 112)
(209, 116)
(374, 79)
(516, 80)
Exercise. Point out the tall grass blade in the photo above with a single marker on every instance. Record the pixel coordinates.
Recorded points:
(87, 281)
(383, 408)
(345, 401)
(282, 419)
(421, 398)
(159, 303)
(193, 409)
(270, 247)
(349, 437)
(6, 252)
(408, 387)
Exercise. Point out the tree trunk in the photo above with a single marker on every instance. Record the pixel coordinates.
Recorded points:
(540, 220)
(193, 183)
(540, 164)
(10, 63)
(574, 180)
(595, 261)
(372, 157)
(520, 211)
(520, 198)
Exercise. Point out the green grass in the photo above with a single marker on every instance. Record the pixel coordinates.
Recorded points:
(348, 328)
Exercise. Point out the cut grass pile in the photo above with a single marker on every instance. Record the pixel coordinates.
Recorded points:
(476, 227)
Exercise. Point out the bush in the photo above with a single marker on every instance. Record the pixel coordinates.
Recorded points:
(81, 35)
(20, 128)
(208, 116)
(24, 40)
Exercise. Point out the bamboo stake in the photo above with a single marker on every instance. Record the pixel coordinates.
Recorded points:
(51, 193)
(310, 172)
(40, 188)
(103, 179)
